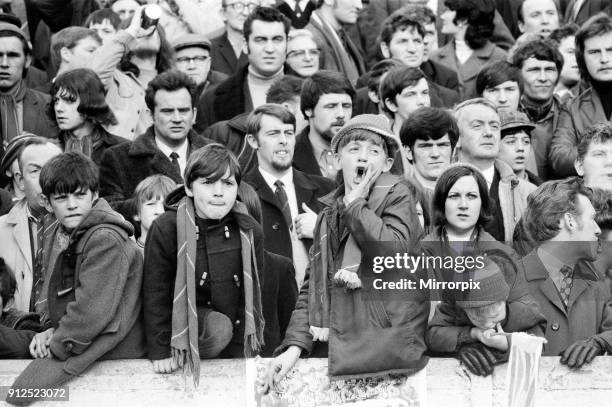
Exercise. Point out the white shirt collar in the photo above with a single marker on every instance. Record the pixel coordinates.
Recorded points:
(488, 174)
(180, 150)
(270, 179)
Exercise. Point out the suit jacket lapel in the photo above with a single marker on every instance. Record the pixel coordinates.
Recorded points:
(227, 51)
(30, 113)
(21, 232)
(537, 271)
(261, 187)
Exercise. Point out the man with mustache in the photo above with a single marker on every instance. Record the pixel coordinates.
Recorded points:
(594, 58)
(289, 198)
(327, 104)
(539, 64)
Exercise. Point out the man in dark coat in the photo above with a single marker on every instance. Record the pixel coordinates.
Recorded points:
(289, 198)
(265, 34)
(162, 149)
(232, 133)
(327, 104)
(26, 109)
(591, 106)
(572, 293)
(339, 52)
(226, 50)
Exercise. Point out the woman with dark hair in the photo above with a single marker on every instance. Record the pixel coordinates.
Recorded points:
(81, 113)
(470, 22)
(461, 208)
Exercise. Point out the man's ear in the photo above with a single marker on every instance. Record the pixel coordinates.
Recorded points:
(388, 164)
(252, 141)
(373, 96)
(195, 115)
(95, 196)
(19, 181)
(308, 114)
(188, 191)
(337, 163)
(390, 105)
(579, 166)
(384, 49)
(568, 221)
(521, 27)
(245, 46)
(136, 218)
(65, 54)
(408, 152)
(45, 202)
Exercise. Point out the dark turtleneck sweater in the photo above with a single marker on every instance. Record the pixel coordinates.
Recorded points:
(536, 110)
(604, 90)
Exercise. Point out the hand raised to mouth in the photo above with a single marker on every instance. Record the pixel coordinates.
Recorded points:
(362, 190)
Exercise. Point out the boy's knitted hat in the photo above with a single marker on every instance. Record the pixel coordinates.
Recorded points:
(374, 123)
(493, 287)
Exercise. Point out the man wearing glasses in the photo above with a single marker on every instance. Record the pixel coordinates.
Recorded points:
(192, 55)
(227, 50)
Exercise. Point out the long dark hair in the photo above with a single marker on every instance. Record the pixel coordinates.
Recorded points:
(85, 85)
(444, 184)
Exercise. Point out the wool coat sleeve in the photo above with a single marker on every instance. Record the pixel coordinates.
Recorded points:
(111, 183)
(397, 222)
(287, 296)
(563, 146)
(604, 337)
(158, 288)
(102, 277)
(105, 60)
(444, 329)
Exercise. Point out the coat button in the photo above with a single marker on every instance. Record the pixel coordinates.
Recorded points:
(275, 226)
(209, 303)
(69, 347)
(237, 322)
(555, 327)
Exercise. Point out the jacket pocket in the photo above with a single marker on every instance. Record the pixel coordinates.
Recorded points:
(377, 314)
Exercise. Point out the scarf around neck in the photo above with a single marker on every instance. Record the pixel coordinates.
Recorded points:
(184, 341)
(321, 262)
(9, 114)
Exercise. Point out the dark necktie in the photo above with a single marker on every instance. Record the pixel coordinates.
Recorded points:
(283, 202)
(566, 284)
(37, 278)
(174, 158)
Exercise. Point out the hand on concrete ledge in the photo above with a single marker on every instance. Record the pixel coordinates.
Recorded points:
(581, 352)
(279, 366)
(168, 365)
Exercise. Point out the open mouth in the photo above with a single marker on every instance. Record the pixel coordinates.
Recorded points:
(360, 171)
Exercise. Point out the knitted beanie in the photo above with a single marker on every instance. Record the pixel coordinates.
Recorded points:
(492, 286)
(375, 123)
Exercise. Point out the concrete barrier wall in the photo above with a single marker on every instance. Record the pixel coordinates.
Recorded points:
(223, 383)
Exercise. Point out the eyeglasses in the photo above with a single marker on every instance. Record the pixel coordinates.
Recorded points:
(187, 60)
(239, 7)
(303, 52)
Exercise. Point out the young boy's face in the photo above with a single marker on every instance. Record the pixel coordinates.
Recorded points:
(70, 209)
(213, 200)
(494, 315)
(149, 211)
(514, 150)
(357, 157)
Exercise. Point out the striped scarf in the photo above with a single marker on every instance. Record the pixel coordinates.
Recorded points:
(184, 342)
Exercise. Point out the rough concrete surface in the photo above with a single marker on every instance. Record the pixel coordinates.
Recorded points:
(223, 383)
